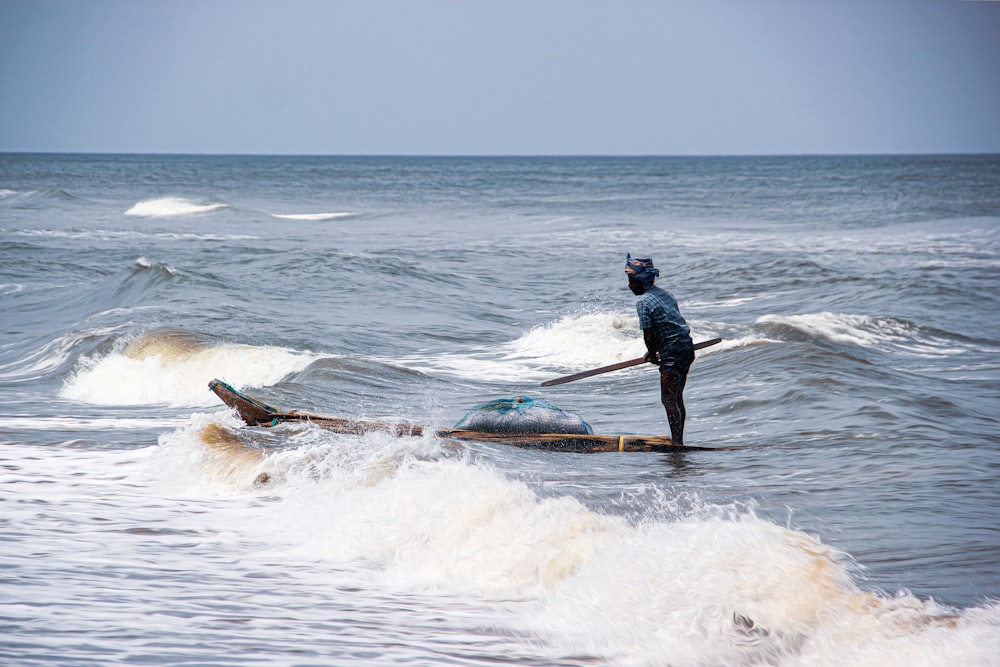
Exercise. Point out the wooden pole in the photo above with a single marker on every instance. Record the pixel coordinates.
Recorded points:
(617, 367)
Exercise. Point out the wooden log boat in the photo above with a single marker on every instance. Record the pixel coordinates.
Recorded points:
(257, 413)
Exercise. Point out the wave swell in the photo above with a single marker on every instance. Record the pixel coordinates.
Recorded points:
(884, 333)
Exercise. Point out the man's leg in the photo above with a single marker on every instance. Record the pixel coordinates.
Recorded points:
(672, 396)
(673, 376)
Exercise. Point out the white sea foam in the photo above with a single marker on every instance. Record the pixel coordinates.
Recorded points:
(441, 524)
(420, 516)
(716, 586)
(732, 302)
(159, 370)
(737, 589)
(171, 206)
(317, 217)
(30, 423)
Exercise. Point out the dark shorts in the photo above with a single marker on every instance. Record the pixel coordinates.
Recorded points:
(677, 362)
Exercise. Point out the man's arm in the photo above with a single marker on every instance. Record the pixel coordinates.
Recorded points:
(651, 356)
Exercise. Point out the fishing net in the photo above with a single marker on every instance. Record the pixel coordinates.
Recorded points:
(522, 415)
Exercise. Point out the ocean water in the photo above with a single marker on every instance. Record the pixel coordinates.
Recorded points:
(857, 523)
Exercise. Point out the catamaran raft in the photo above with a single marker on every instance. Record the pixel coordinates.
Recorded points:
(519, 422)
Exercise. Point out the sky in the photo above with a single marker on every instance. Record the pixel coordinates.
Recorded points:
(500, 77)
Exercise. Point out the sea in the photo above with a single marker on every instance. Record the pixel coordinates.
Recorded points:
(851, 515)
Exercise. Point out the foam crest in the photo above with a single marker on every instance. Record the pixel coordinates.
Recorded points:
(144, 263)
(171, 206)
(580, 341)
(313, 217)
(174, 368)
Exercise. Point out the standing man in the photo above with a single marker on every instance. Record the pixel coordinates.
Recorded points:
(667, 337)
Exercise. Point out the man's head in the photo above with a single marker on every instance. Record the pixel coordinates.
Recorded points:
(641, 274)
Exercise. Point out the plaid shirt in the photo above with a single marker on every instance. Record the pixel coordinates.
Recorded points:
(658, 310)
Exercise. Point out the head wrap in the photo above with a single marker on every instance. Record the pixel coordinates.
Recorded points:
(641, 269)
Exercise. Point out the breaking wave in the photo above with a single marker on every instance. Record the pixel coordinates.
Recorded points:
(171, 206)
(174, 367)
(315, 217)
(707, 585)
(572, 343)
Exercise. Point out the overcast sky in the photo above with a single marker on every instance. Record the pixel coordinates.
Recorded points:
(558, 77)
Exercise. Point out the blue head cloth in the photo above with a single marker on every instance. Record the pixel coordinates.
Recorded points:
(641, 269)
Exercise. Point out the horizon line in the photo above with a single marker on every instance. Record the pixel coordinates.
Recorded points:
(498, 155)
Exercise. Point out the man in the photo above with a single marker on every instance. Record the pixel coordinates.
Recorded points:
(667, 337)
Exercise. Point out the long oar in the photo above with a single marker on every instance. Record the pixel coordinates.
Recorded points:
(617, 367)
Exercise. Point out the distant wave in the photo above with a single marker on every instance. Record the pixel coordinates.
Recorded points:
(862, 331)
(317, 217)
(50, 193)
(171, 206)
(115, 234)
(30, 196)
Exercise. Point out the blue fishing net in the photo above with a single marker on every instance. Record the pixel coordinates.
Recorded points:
(522, 415)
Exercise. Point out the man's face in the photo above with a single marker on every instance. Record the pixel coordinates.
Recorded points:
(637, 287)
